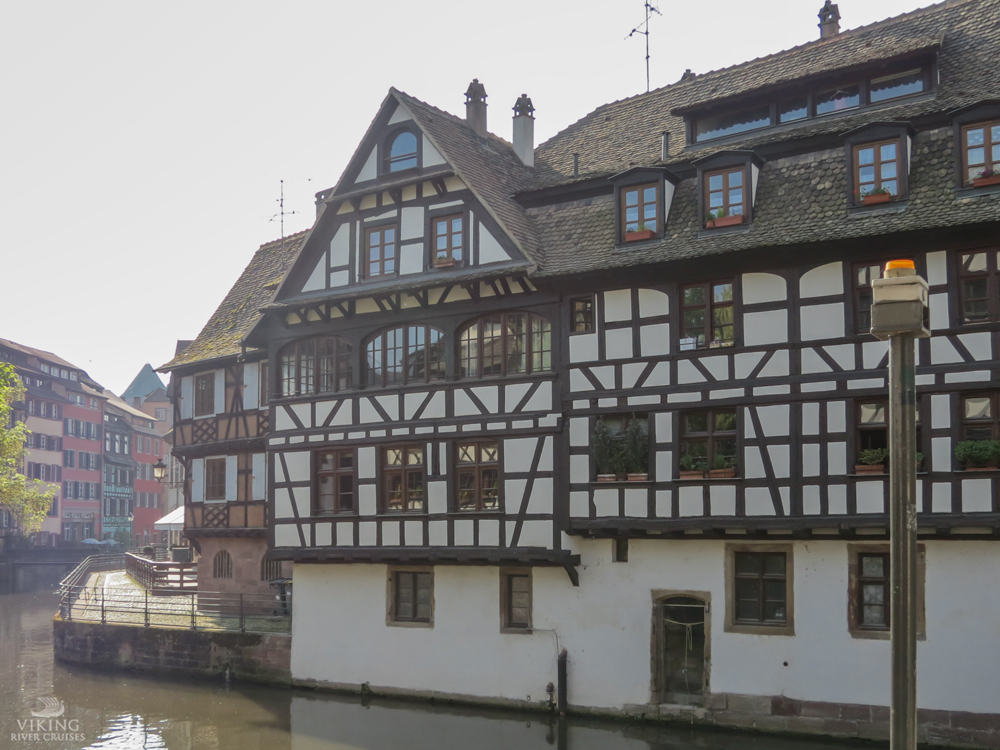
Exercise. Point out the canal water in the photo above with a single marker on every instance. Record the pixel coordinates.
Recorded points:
(122, 711)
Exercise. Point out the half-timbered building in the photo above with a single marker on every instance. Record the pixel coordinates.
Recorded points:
(615, 395)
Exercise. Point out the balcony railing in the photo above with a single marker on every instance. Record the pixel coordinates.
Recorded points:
(162, 577)
(228, 515)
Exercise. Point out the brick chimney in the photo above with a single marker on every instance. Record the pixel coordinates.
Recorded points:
(475, 107)
(829, 20)
(524, 131)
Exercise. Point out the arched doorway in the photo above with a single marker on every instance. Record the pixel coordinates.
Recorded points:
(681, 649)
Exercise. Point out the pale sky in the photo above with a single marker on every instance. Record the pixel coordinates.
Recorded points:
(142, 144)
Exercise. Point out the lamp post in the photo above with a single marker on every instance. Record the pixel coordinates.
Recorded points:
(900, 315)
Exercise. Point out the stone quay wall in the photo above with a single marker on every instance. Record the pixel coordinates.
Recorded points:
(251, 657)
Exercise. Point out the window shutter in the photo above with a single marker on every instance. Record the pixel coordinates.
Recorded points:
(57, 470)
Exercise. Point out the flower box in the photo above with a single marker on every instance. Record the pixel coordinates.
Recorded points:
(869, 468)
(607, 477)
(645, 234)
(691, 474)
(444, 262)
(725, 221)
(984, 181)
(637, 477)
(722, 473)
(870, 200)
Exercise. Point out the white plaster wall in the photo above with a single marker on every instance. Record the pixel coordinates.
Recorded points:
(605, 626)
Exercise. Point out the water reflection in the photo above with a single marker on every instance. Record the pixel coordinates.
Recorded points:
(122, 711)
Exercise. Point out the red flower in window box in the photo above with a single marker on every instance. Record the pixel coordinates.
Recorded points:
(724, 221)
(986, 177)
(641, 234)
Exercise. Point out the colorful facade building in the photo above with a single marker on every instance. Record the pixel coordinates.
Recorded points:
(615, 397)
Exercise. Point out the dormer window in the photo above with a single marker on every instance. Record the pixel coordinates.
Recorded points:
(641, 211)
(838, 99)
(643, 196)
(402, 152)
(879, 161)
(981, 150)
(877, 169)
(725, 194)
(727, 183)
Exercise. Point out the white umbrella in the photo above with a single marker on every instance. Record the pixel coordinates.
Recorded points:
(89, 541)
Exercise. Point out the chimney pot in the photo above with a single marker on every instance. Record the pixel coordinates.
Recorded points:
(829, 20)
(524, 131)
(475, 107)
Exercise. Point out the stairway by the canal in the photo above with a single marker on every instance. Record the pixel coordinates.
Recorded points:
(109, 620)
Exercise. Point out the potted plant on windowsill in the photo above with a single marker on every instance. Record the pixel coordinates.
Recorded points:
(635, 451)
(639, 233)
(876, 195)
(987, 177)
(444, 261)
(692, 467)
(718, 218)
(978, 455)
(722, 468)
(606, 452)
(872, 461)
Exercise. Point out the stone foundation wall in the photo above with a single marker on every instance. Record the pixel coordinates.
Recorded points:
(188, 653)
(246, 553)
(848, 720)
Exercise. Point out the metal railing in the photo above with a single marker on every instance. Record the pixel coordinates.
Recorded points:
(164, 577)
(93, 564)
(201, 610)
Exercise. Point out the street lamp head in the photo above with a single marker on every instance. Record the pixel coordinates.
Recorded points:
(159, 470)
(900, 302)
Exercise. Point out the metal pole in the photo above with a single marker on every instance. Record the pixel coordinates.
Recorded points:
(903, 542)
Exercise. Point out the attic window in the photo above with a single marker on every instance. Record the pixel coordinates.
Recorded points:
(402, 152)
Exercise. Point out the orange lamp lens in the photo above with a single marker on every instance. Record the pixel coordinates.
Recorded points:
(899, 264)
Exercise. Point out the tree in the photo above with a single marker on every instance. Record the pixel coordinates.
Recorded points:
(21, 496)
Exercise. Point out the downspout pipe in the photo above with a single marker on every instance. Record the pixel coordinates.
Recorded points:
(561, 682)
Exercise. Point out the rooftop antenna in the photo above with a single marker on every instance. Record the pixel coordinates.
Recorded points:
(282, 212)
(643, 28)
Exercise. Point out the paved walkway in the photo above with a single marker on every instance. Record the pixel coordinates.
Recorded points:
(114, 597)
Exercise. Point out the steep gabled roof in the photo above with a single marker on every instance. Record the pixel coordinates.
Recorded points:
(223, 335)
(488, 166)
(143, 384)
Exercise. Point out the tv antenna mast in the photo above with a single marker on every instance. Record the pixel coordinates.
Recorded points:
(282, 213)
(643, 28)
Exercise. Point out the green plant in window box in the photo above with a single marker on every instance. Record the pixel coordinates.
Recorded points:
(875, 195)
(978, 455)
(635, 451)
(872, 461)
(723, 467)
(719, 218)
(920, 460)
(988, 176)
(606, 452)
(692, 467)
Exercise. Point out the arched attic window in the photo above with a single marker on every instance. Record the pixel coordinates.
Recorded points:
(406, 354)
(222, 565)
(315, 365)
(510, 343)
(401, 151)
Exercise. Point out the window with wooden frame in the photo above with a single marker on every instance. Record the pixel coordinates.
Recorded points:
(401, 152)
(511, 343)
(981, 151)
(215, 479)
(477, 476)
(315, 365)
(265, 383)
(708, 440)
(204, 394)
(449, 240)
(873, 590)
(864, 274)
(978, 289)
(381, 251)
(515, 600)
(407, 354)
(760, 588)
(872, 434)
(582, 314)
(707, 315)
(980, 416)
(411, 596)
(725, 196)
(640, 206)
(877, 167)
(336, 481)
(403, 477)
